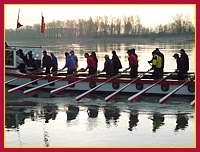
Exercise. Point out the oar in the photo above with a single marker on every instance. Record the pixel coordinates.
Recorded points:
(109, 97)
(135, 96)
(46, 84)
(34, 72)
(69, 85)
(81, 96)
(23, 85)
(192, 103)
(164, 99)
(13, 79)
(41, 86)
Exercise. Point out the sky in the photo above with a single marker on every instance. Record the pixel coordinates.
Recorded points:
(150, 15)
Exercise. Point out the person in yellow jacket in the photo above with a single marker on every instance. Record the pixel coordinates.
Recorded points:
(156, 66)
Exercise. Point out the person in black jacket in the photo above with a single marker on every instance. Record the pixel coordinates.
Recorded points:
(21, 55)
(46, 62)
(116, 63)
(185, 61)
(180, 67)
(108, 66)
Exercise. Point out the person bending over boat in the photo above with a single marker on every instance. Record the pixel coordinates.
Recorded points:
(74, 57)
(91, 64)
(156, 65)
(21, 55)
(157, 51)
(185, 61)
(54, 63)
(133, 63)
(32, 62)
(69, 64)
(46, 62)
(108, 66)
(20, 63)
(180, 67)
(93, 54)
(116, 63)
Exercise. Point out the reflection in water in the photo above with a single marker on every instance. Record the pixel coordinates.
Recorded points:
(72, 112)
(92, 121)
(181, 122)
(158, 120)
(93, 111)
(112, 114)
(42, 114)
(14, 118)
(50, 112)
(133, 120)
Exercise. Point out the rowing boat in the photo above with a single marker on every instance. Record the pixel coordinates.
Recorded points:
(83, 83)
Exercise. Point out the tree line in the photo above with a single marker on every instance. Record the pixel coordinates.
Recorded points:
(102, 27)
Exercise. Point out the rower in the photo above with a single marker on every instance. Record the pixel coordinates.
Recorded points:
(91, 64)
(133, 63)
(156, 65)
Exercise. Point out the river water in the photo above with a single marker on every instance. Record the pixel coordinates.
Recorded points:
(39, 120)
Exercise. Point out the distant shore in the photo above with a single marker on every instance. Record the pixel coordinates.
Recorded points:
(138, 39)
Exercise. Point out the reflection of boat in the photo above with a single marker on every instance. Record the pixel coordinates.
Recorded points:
(85, 83)
(16, 116)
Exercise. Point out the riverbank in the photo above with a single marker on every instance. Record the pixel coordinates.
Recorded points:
(138, 39)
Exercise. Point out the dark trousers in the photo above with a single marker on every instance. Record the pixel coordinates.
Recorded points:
(92, 71)
(22, 68)
(133, 72)
(70, 71)
(47, 70)
(157, 73)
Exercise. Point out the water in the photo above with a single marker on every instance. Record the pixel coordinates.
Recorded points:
(61, 121)
(38, 120)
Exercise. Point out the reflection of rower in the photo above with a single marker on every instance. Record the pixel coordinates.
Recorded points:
(92, 111)
(72, 112)
(13, 118)
(111, 113)
(158, 120)
(181, 122)
(133, 120)
(50, 112)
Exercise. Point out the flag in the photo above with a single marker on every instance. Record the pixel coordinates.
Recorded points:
(18, 24)
(42, 25)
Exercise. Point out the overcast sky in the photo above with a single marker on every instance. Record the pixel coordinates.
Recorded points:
(150, 15)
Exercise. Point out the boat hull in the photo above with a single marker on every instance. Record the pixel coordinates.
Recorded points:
(164, 87)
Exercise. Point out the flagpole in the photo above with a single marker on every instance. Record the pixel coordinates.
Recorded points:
(17, 27)
(41, 31)
(42, 25)
(18, 17)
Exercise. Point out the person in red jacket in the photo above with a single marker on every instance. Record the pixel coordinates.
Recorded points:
(133, 63)
(91, 64)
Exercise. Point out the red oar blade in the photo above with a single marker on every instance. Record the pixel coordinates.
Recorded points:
(165, 98)
(192, 103)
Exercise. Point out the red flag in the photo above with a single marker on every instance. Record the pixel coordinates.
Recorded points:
(42, 25)
(18, 24)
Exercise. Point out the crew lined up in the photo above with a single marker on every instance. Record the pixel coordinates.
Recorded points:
(111, 66)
